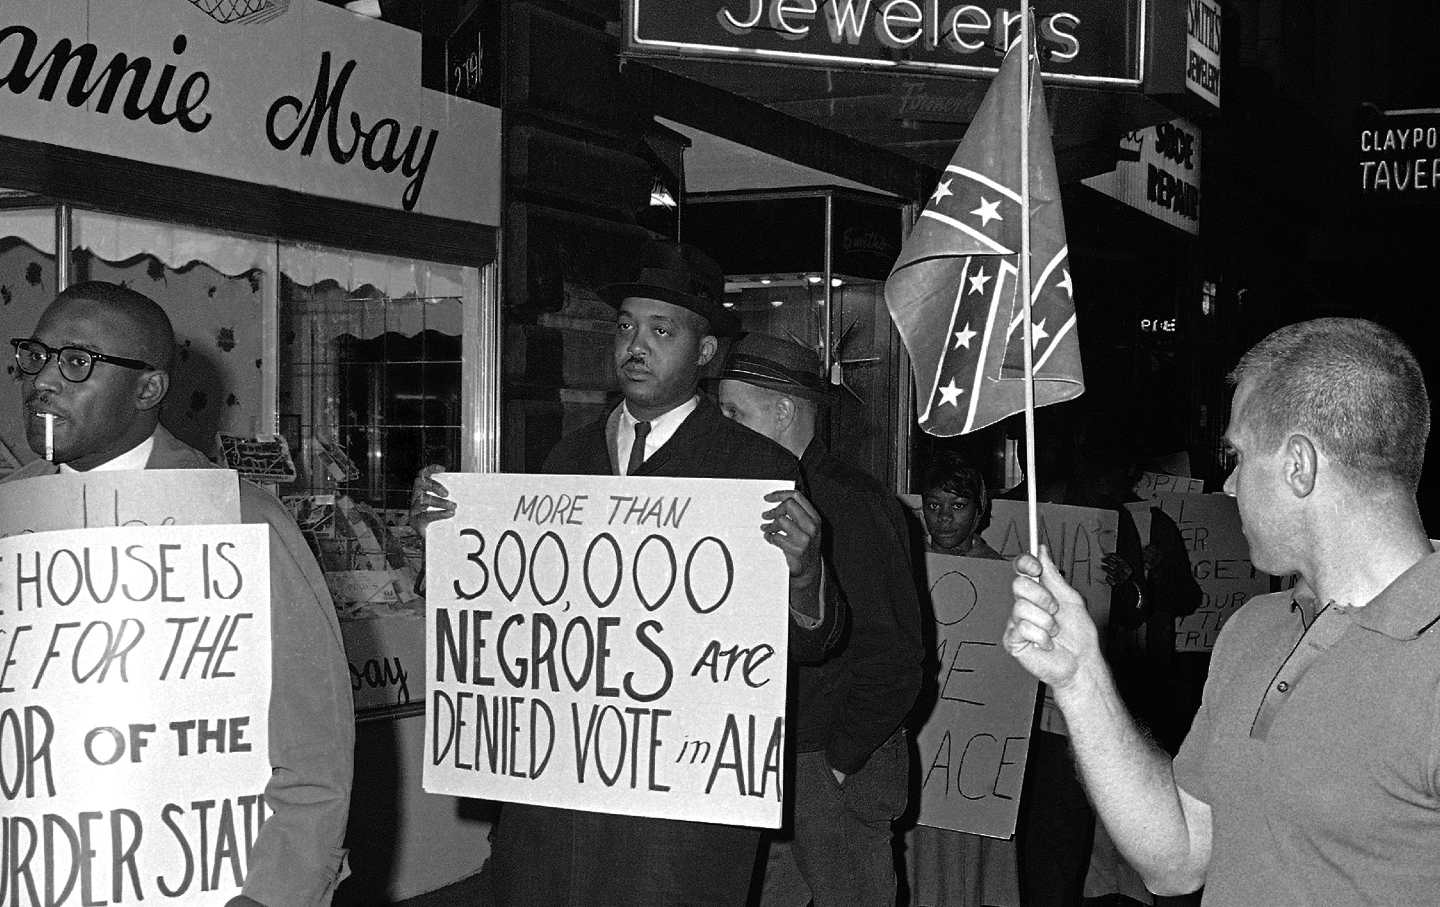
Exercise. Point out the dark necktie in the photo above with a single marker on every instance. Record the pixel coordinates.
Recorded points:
(637, 449)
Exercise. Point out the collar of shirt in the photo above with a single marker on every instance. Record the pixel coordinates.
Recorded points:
(662, 428)
(1408, 606)
(134, 458)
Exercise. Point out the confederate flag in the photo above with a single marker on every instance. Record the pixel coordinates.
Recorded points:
(953, 294)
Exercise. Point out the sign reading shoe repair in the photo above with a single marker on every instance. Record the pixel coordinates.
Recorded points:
(1083, 42)
(1158, 172)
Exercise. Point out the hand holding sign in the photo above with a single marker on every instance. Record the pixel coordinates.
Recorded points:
(1050, 633)
(430, 501)
(793, 526)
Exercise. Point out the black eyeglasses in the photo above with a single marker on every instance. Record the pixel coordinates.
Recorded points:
(75, 363)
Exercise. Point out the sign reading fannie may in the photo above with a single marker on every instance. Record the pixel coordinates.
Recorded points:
(1087, 42)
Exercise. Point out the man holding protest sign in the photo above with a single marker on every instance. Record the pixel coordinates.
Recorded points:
(852, 762)
(667, 328)
(1312, 772)
(93, 378)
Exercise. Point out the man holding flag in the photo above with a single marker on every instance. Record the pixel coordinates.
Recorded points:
(1311, 774)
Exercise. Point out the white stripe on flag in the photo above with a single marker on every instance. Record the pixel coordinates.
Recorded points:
(1045, 274)
(1005, 270)
(945, 347)
(984, 180)
(994, 247)
(1036, 289)
(1054, 343)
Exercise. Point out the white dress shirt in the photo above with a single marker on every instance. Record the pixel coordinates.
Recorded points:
(662, 428)
(134, 458)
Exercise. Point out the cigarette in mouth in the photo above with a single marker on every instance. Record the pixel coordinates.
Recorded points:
(49, 435)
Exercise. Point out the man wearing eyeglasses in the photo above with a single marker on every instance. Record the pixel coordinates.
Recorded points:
(99, 365)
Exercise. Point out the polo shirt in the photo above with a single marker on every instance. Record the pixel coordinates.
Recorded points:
(1318, 751)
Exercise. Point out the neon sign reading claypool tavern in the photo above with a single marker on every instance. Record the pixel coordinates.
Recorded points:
(1089, 42)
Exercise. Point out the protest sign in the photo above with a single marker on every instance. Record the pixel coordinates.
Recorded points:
(1219, 559)
(1153, 484)
(1078, 539)
(134, 713)
(142, 497)
(607, 644)
(974, 744)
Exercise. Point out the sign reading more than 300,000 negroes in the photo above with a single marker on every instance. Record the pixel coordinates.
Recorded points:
(607, 644)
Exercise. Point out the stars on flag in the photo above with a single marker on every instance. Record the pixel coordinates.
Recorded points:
(988, 211)
(978, 281)
(954, 293)
(950, 394)
(1037, 333)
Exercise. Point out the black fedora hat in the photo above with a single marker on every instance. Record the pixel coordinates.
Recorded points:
(680, 275)
(780, 365)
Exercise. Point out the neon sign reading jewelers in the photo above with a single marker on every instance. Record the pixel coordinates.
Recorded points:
(1086, 42)
(898, 24)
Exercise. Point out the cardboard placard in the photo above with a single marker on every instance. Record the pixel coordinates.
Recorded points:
(974, 745)
(142, 497)
(134, 711)
(608, 644)
(1152, 484)
(1219, 559)
(1078, 539)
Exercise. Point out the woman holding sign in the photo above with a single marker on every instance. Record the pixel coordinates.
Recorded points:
(952, 867)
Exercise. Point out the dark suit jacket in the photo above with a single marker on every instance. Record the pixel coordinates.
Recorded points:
(298, 857)
(706, 446)
(852, 703)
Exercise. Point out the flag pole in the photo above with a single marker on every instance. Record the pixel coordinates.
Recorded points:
(1032, 506)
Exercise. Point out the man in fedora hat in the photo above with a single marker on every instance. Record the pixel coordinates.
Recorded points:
(852, 761)
(667, 325)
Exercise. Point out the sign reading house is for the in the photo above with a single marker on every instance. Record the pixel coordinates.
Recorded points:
(1085, 42)
(307, 97)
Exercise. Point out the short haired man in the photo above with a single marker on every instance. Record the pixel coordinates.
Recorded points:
(99, 362)
(1312, 772)
(852, 763)
(667, 325)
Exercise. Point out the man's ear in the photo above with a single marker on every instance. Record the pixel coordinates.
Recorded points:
(1300, 463)
(152, 390)
(784, 412)
(708, 346)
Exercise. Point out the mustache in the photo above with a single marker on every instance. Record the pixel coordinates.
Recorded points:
(40, 401)
(634, 360)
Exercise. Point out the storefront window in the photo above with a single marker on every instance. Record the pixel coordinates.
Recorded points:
(356, 361)
(809, 265)
(27, 284)
(370, 377)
